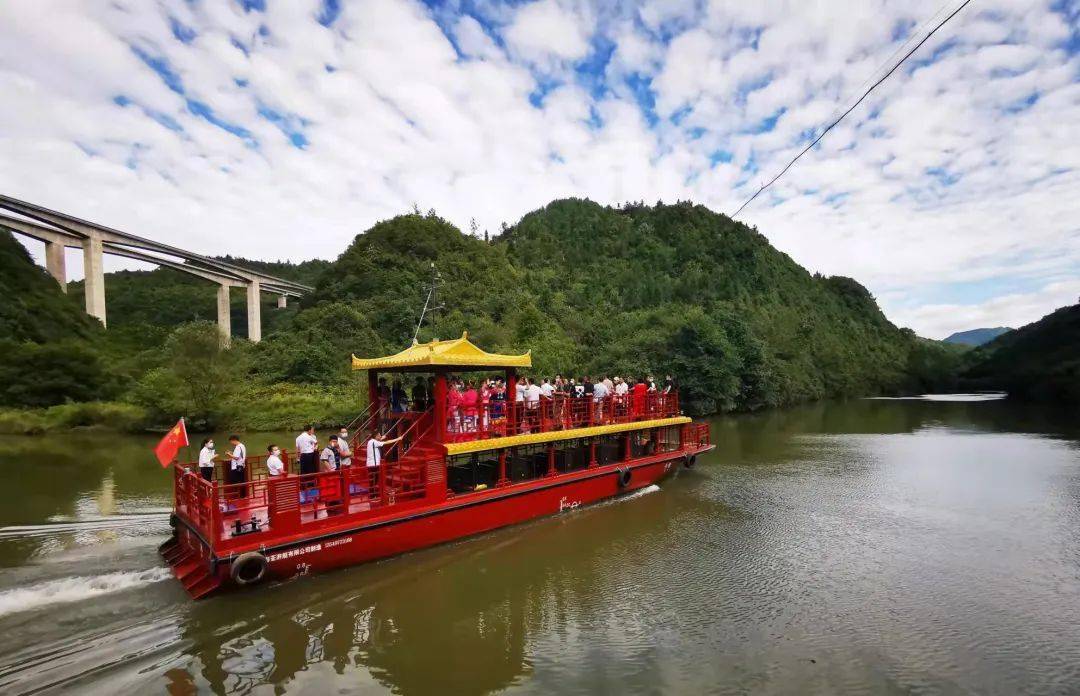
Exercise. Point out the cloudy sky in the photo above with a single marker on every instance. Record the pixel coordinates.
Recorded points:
(280, 129)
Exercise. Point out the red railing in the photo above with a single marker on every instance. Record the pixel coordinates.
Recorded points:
(696, 435)
(261, 503)
(560, 412)
(194, 500)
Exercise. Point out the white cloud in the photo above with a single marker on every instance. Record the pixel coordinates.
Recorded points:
(544, 30)
(961, 170)
(1013, 310)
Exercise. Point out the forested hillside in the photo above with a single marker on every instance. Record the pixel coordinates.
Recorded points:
(1040, 361)
(33, 308)
(668, 288)
(662, 289)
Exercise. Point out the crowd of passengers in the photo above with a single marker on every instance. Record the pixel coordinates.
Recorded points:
(475, 404)
(335, 454)
(471, 405)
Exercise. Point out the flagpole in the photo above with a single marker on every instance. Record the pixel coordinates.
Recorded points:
(187, 441)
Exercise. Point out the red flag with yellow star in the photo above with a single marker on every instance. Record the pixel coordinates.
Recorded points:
(172, 442)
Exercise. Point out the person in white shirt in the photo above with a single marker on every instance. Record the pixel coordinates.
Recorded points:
(532, 394)
(621, 387)
(306, 442)
(599, 392)
(237, 460)
(374, 453)
(274, 466)
(206, 459)
(522, 388)
(546, 389)
(344, 452)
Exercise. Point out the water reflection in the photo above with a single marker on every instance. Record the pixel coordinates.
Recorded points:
(885, 546)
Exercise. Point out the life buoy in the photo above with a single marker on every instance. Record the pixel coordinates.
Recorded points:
(689, 461)
(623, 477)
(249, 568)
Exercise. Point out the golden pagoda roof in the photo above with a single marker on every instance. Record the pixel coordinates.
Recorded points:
(459, 352)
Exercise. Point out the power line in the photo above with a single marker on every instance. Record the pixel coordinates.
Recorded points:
(851, 108)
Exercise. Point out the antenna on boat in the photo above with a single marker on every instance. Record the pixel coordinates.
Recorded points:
(430, 302)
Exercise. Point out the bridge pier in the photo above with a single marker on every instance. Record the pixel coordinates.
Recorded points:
(55, 263)
(254, 312)
(224, 315)
(94, 282)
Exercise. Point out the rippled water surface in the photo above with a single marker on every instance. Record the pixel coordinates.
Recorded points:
(880, 546)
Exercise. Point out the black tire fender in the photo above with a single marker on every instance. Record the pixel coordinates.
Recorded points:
(623, 476)
(689, 461)
(249, 568)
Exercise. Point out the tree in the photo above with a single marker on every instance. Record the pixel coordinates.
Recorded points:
(197, 378)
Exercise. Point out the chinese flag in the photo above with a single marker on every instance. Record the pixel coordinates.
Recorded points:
(172, 442)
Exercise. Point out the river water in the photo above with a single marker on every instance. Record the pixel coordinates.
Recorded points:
(878, 546)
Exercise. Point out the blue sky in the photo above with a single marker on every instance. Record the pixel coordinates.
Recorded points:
(280, 129)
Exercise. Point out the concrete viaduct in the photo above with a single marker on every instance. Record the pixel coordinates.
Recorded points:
(59, 231)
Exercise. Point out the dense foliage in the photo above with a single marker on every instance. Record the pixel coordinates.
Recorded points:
(1040, 361)
(33, 308)
(589, 289)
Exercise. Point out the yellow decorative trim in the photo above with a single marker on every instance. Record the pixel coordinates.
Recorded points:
(460, 352)
(554, 436)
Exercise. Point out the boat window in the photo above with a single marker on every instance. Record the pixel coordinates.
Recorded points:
(669, 439)
(571, 455)
(466, 473)
(527, 463)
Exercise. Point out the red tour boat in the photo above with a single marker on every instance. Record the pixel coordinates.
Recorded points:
(450, 475)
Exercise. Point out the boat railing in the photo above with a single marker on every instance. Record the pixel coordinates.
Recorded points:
(194, 499)
(696, 435)
(558, 412)
(262, 503)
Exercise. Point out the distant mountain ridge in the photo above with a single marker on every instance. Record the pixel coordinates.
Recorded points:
(1037, 362)
(977, 337)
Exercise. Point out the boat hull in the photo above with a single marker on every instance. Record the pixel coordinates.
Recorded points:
(460, 516)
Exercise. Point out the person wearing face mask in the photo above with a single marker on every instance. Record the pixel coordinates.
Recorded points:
(274, 466)
(344, 452)
(206, 459)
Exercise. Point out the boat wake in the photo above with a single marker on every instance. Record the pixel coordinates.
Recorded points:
(637, 494)
(76, 589)
(84, 525)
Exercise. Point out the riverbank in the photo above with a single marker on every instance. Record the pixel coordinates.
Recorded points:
(260, 408)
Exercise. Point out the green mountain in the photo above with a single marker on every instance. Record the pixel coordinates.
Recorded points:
(976, 337)
(668, 288)
(664, 289)
(1040, 361)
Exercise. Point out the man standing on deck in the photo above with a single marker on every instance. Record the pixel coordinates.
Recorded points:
(344, 451)
(305, 450)
(237, 460)
(329, 457)
(374, 456)
(274, 466)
